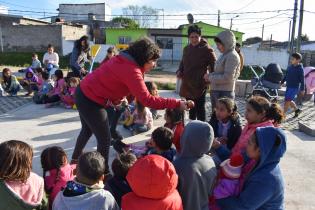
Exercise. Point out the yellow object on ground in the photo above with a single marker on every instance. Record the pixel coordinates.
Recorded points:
(95, 49)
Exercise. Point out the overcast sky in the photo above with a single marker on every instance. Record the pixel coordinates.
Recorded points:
(276, 23)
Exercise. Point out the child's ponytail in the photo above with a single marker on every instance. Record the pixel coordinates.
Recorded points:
(275, 113)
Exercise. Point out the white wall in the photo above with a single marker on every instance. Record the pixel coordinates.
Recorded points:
(310, 47)
(263, 57)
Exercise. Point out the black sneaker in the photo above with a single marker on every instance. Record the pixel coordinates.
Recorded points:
(119, 146)
(297, 113)
(116, 136)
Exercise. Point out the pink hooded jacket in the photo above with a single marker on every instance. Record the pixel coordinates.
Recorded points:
(247, 132)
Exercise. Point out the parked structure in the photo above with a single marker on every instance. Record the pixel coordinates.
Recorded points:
(75, 12)
(171, 41)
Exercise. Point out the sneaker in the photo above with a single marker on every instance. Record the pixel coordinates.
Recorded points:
(297, 113)
(120, 146)
(116, 136)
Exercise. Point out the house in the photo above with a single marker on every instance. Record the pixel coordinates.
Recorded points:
(171, 41)
(22, 34)
(75, 12)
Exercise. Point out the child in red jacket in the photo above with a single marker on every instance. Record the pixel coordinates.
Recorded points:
(155, 189)
(175, 121)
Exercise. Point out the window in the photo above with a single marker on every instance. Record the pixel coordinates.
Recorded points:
(124, 39)
(165, 43)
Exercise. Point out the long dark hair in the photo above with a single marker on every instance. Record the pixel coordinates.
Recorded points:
(272, 111)
(78, 44)
(231, 106)
(6, 80)
(52, 158)
(175, 115)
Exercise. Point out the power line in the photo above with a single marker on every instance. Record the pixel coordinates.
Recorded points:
(249, 29)
(251, 2)
(22, 6)
(264, 19)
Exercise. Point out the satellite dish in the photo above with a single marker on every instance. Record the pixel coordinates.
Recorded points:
(190, 18)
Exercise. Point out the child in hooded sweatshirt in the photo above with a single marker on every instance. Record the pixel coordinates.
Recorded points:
(87, 190)
(174, 120)
(196, 170)
(45, 88)
(10, 83)
(30, 82)
(153, 181)
(228, 182)
(118, 184)
(20, 189)
(261, 182)
(161, 143)
(56, 171)
(259, 113)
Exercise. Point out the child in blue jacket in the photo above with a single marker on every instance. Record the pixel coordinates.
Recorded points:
(261, 183)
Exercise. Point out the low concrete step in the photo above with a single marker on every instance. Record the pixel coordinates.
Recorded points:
(307, 127)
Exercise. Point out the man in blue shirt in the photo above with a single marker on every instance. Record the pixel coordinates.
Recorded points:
(294, 79)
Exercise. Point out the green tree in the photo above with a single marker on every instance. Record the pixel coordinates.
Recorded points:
(126, 22)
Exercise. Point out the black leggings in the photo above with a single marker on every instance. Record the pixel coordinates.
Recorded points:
(94, 120)
(199, 111)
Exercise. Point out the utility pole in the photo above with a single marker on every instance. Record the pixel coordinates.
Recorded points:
(298, 43)
(231, 24)
(293, 26)
(1, 39)
(219, 13)
(262, 32)
(270, 43)
(289, 34)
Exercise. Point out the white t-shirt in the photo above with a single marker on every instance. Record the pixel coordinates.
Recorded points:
(52, 58)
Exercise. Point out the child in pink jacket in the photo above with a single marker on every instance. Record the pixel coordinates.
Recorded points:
(56, 171)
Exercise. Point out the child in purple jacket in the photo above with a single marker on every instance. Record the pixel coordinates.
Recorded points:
(228, 183)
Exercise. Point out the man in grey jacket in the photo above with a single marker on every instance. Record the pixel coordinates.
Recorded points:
(196, 170)
(226, 70)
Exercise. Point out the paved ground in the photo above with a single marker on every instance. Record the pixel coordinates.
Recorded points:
(43, 127)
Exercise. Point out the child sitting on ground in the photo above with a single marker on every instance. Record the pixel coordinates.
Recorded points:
(56, 171)
(35, 62)
(174, 120)
(87, 190)
(118, 184)
(30, 82)
(153, 181)
(153, 90)
(142, 119)
(259, 113)
(228, 182)
(38, 72)
(10, 83)
(67, 96)
(20, 188)
(46, 87)
(54, 95)
(161, 143)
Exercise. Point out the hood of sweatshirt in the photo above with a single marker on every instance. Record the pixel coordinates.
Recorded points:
(228, 40)
(196, 140)
(34, 78)
(152, 177)
(269, 153)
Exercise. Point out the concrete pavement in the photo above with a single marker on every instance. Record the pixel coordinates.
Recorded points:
(42, 127)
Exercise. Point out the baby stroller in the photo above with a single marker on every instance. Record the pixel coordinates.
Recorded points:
(268, 82)
(309, 75)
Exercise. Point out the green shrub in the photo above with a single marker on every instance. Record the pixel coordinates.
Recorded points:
(25, 59)
(166, 86)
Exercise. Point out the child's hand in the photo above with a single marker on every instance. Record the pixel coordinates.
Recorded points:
(206, 77)
(216, 143)
(223, 140)
(190, 104)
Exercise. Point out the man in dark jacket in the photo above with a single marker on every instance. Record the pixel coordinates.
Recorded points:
(198, 58)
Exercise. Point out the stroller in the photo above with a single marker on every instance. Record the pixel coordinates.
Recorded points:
(309, 75)
(268, 82)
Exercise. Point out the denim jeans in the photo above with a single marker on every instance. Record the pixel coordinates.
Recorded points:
(139, 128)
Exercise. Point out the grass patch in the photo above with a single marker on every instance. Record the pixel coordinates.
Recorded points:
(166, 86)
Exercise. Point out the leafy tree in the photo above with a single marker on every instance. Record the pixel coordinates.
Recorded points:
(126, 22)
(145, 16)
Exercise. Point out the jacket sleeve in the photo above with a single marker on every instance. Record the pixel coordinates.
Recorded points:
(255, 194)
(302, 79)
(223, 152)
(135, 83)
(74, 58)
(285, 77)
(230, 71)
(212, 58)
